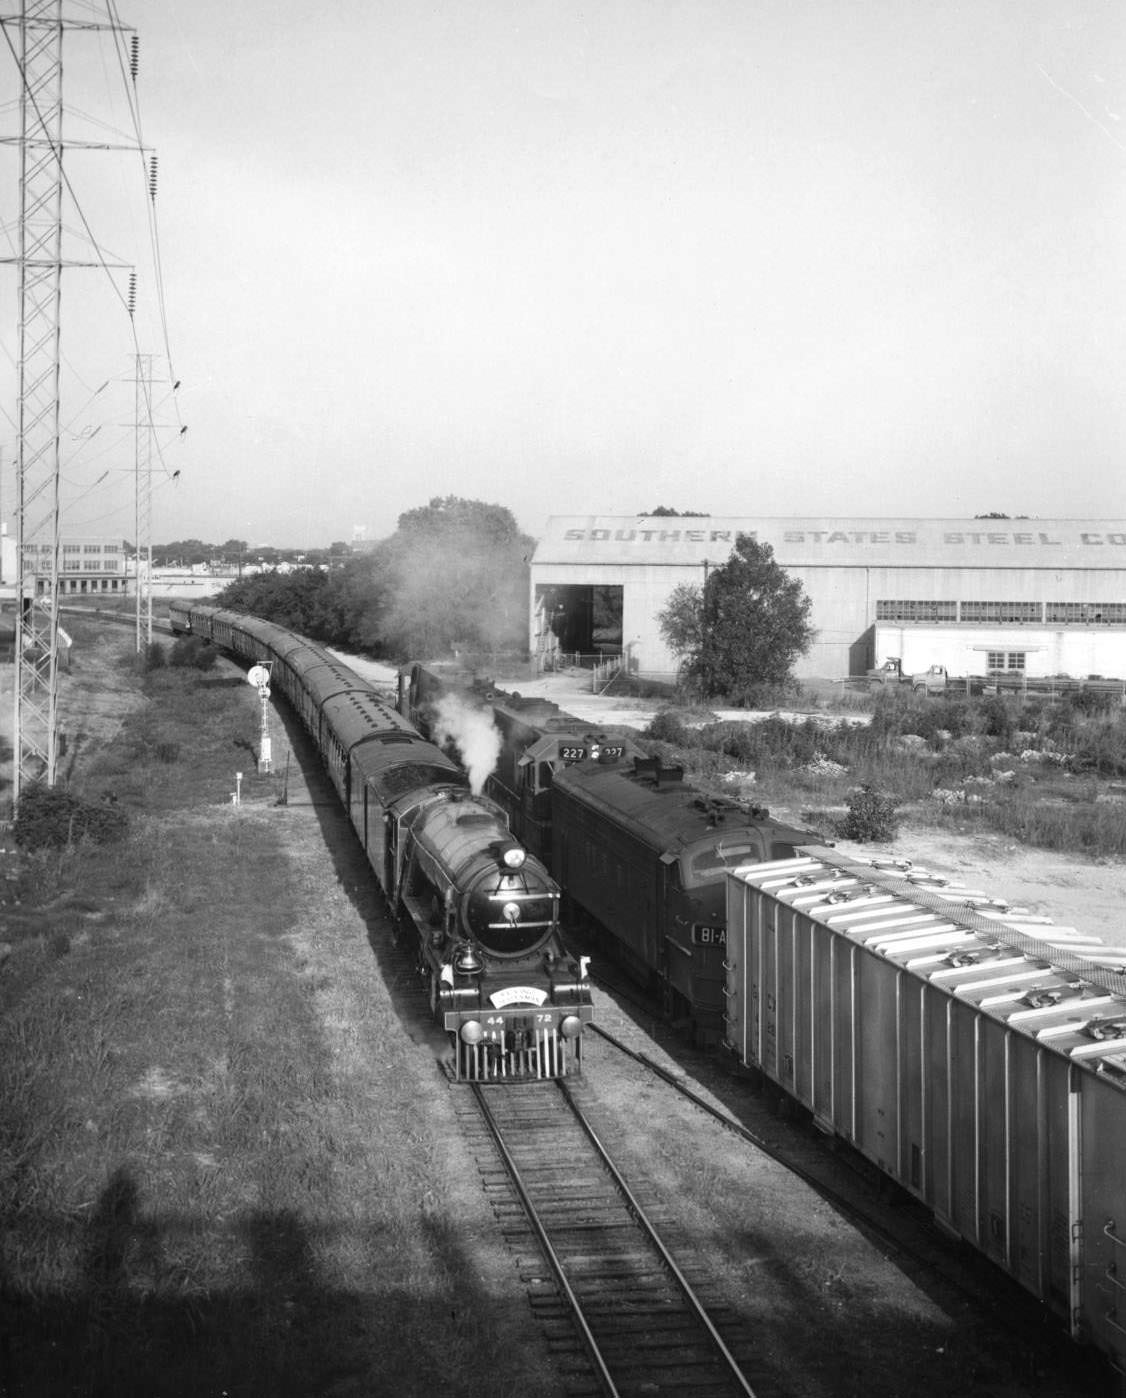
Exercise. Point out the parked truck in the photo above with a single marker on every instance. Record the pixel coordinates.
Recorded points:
(933, 680)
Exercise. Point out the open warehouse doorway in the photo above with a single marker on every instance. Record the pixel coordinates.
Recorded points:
(578, 624)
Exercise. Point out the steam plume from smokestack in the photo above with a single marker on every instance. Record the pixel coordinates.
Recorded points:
(472, 730)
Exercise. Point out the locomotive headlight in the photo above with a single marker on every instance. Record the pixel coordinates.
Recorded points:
(471, 1032)
(571, 1027)
(511, 912)
(513, 857)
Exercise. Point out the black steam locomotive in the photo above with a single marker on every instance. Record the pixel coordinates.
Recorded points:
(483, 911)
(640, 853)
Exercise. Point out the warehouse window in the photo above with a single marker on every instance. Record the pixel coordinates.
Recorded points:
(1001, 611)
(1083, 613)
(1005, 660)
(911, 610)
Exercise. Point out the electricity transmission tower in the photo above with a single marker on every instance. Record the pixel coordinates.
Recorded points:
(40, 27)
(37, 469)
(142, 534)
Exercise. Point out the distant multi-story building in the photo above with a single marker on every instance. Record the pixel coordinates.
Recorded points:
(85, 565)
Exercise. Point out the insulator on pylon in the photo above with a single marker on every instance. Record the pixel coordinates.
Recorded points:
(152, 178)
(134, 56)
(132, 301)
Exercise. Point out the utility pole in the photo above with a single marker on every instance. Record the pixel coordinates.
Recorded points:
(40, 261)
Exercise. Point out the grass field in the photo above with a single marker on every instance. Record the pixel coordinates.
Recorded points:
(225, 1166)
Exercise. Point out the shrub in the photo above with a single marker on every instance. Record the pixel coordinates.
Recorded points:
(191, 652)
(665, 727)
(1000, 718)
(871, 816)
(50, 817)
(152, 657)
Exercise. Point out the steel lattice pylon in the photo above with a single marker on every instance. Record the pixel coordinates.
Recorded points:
(37, 493)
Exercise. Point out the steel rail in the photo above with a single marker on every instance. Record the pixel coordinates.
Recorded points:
(655, 1238)
(639, 1215)
(590, 1343)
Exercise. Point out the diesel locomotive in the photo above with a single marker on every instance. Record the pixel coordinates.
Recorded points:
(482, 911)
(641, 854)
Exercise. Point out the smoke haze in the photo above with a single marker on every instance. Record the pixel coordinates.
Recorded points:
(472, 730)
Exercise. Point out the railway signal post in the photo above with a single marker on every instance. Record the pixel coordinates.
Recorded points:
(259, 677)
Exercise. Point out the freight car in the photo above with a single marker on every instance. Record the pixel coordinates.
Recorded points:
(484, 914)
(974, 1053)
(640, 853)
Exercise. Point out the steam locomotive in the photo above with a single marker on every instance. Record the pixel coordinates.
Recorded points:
(483, 912)
(641, 854)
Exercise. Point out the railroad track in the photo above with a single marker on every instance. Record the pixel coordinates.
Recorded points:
(903, 1228)
(591, 1254)
(115, 615)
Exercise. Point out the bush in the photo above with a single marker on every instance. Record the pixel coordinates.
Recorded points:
(152, 657)
(665, 727)
(50, 817)
(190, 652)
(871, 816)
(896, 714)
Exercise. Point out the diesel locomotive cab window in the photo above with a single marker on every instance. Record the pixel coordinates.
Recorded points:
(705, 865)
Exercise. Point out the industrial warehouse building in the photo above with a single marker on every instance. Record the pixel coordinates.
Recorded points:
(1038, 597)
(85, 565)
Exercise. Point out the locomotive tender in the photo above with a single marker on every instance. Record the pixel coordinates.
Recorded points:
(640, 853)
(974, 1053)
(484, 913)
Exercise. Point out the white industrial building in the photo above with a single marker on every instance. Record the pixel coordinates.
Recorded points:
(1039, 597)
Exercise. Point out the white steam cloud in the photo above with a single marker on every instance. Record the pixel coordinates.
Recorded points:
(472, 730)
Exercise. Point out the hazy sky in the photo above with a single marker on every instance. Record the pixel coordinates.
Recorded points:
(744, 256)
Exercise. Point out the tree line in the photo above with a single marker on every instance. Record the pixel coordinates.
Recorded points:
(454, 578)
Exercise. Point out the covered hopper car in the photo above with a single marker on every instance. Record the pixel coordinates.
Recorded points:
(976, 1054)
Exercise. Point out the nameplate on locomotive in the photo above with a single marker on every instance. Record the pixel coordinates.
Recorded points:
(517, 995)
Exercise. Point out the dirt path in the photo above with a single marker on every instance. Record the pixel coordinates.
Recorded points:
(1072, 890)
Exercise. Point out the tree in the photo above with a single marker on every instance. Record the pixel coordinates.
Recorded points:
(454, 575)
(681, 621)
(745, 628)
(663, 512)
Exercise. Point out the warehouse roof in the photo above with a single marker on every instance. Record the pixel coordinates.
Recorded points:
(818, 541)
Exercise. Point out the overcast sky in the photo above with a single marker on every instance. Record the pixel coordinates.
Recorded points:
(859, 257)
